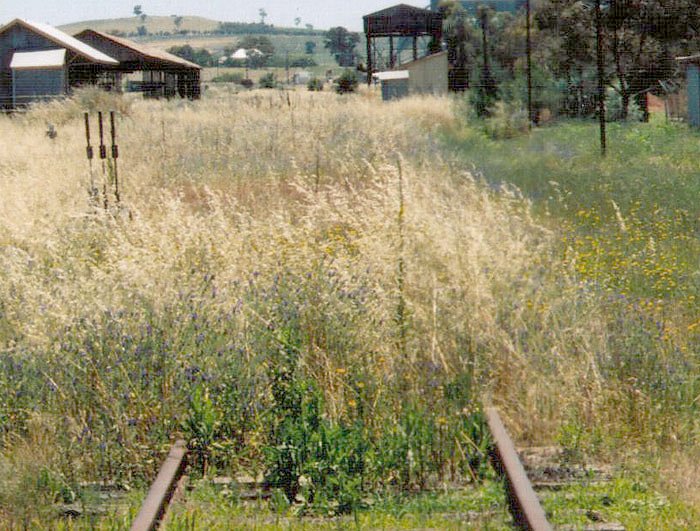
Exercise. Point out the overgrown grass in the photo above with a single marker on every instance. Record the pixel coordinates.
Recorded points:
(628, 501)
(258, 292)
(310, 287)
(474, 507)
(632, 216)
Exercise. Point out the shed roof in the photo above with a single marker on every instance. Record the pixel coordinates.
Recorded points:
(42, 59)
(400, 9)
(689, 59)
(403, 19)
(143, 51)
(62, 39)
(391, 75)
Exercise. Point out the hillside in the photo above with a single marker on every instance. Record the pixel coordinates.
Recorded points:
(154, 24)
(159, 25)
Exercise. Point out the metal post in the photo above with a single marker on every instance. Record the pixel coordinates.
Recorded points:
(529, 66)
(601, 73)
(115, 156)
(103, 156)
(286, 64)
(90, 155)
(370, 64)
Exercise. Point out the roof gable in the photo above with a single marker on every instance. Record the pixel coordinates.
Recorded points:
(402, 9)
(143, 50)
(62, 40)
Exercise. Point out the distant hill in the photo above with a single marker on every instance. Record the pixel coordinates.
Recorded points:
(153, 25)
(164, 26)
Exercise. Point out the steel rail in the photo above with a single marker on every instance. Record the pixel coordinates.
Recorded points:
(524, 505)
(161, 491)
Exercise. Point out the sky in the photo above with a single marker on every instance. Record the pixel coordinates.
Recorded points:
(323, 14)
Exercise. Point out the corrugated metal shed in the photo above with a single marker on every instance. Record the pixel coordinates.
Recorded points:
(63, 40)
(429, 74)
(403, 20)
(391, 75)
(692, 73)
(33, 60)
(31, 67)
(395, 84)
(400, 21)
(125, 50)
(165, 74)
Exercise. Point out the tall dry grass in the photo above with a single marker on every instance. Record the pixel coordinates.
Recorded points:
(336, 226)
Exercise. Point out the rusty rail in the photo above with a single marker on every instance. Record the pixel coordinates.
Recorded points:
(161, 491)
(524, 505)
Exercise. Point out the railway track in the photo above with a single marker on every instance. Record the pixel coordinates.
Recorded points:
(522, 498)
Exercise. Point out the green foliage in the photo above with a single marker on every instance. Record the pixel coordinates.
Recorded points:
(246, 28)
(315, 463)
(310, 47)
(302, 62)
(483, 98)
(626, 233)
(268, 81)
(615, 110)
(546, 94)
(200, 56)
(202, 425)
(483, 503)
(625, 499)
(315, 84)
(341, 44)
(347, 82)
(260, 43)
(507, 120)
(229, 77)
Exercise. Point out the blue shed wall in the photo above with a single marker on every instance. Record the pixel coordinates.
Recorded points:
(393, 89)
(30, 85)
(17, 38)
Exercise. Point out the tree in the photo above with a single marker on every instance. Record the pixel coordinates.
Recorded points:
(347, 82)
(640, 39)
(309, 27)
(263, 15)
(269, 81)
(178, 22)
(487, 91)
(310, 47)
(341, 44)
(257, 42)
(141, 31)
(297, 21)
(138, 10)
(567, 35)
(462, 43)
(200, 56)
(641, 34)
